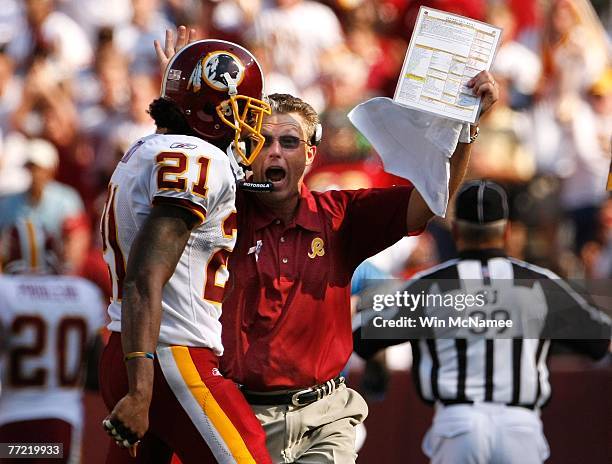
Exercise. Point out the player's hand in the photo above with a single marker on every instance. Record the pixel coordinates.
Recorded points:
(129, 421)
(483, 84)
(184, 36)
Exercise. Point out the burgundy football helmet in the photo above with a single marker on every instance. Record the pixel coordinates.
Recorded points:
(26, 248)
(219, 86)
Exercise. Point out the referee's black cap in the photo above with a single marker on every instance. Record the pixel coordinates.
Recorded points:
(481, 202)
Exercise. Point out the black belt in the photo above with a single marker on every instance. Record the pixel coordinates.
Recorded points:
(300, 397)
(454, 402)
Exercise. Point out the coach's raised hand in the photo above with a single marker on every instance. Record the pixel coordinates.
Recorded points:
(484, 86)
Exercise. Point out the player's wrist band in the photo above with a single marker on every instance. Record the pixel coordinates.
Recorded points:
(475, 136)
(138, 354)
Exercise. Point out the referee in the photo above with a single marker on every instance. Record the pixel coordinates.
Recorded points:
(487, 378)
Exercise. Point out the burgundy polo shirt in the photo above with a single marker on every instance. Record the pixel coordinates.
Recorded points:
(286, 318)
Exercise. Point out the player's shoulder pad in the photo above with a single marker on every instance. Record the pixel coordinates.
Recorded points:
(175, 143)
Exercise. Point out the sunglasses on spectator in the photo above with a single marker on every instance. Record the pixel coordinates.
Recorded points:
(288, 142)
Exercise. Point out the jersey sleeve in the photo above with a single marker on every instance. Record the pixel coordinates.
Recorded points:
(374, 220)
(190, 179)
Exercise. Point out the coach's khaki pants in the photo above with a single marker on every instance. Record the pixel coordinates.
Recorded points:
(322, 432)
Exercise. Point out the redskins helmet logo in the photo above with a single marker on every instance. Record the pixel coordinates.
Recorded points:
(211, 70)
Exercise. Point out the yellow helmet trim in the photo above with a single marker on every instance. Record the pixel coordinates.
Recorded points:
(249, 120)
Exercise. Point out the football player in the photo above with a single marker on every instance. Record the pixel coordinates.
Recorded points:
(47, 322)
(168, 227)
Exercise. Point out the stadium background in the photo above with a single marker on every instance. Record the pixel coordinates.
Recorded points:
(81, 73)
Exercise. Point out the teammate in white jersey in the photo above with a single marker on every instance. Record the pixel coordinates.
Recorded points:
(168, 227)
(47, 323)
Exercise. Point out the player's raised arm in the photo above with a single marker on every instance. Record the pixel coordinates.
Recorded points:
(419, 213)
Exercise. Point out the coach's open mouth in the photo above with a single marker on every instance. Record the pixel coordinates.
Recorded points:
(275, 174)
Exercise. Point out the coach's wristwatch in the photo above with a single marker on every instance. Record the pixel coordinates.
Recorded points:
(474, 136)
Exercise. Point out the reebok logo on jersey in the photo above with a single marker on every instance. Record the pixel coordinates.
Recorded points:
(186, 146)
(216, 372)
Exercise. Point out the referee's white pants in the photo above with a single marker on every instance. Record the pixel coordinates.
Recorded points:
(485, 433)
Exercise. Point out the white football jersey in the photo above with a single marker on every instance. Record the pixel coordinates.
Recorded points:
(190, 173)
(48, 323)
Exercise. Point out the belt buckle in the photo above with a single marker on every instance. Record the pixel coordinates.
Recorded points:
(294, 398)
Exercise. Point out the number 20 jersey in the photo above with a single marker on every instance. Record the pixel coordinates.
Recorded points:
(189, 173)
(48, 322)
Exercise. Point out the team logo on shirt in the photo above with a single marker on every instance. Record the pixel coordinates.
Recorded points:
(212, 70)
(317, 248)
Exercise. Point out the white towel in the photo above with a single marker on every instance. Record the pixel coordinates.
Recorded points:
(412, 144)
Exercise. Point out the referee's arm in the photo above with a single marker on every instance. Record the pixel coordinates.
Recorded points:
(575, 321)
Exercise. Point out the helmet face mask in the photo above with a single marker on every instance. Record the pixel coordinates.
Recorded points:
(246, 124)
(218, 86)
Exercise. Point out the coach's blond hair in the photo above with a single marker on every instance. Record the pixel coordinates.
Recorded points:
(284, 103)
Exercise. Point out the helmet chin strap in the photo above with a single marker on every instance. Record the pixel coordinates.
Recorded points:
(232, 86)
(240, 177)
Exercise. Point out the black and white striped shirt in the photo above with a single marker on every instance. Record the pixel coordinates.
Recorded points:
(508, 368)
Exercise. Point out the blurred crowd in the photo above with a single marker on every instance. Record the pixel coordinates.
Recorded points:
(77, 76)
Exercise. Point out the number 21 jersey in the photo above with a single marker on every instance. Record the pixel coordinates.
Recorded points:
(185, 172)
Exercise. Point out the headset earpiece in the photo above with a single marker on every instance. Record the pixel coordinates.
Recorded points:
(316, 137)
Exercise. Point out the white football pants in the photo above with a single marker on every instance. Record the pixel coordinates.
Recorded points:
(485, 433)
